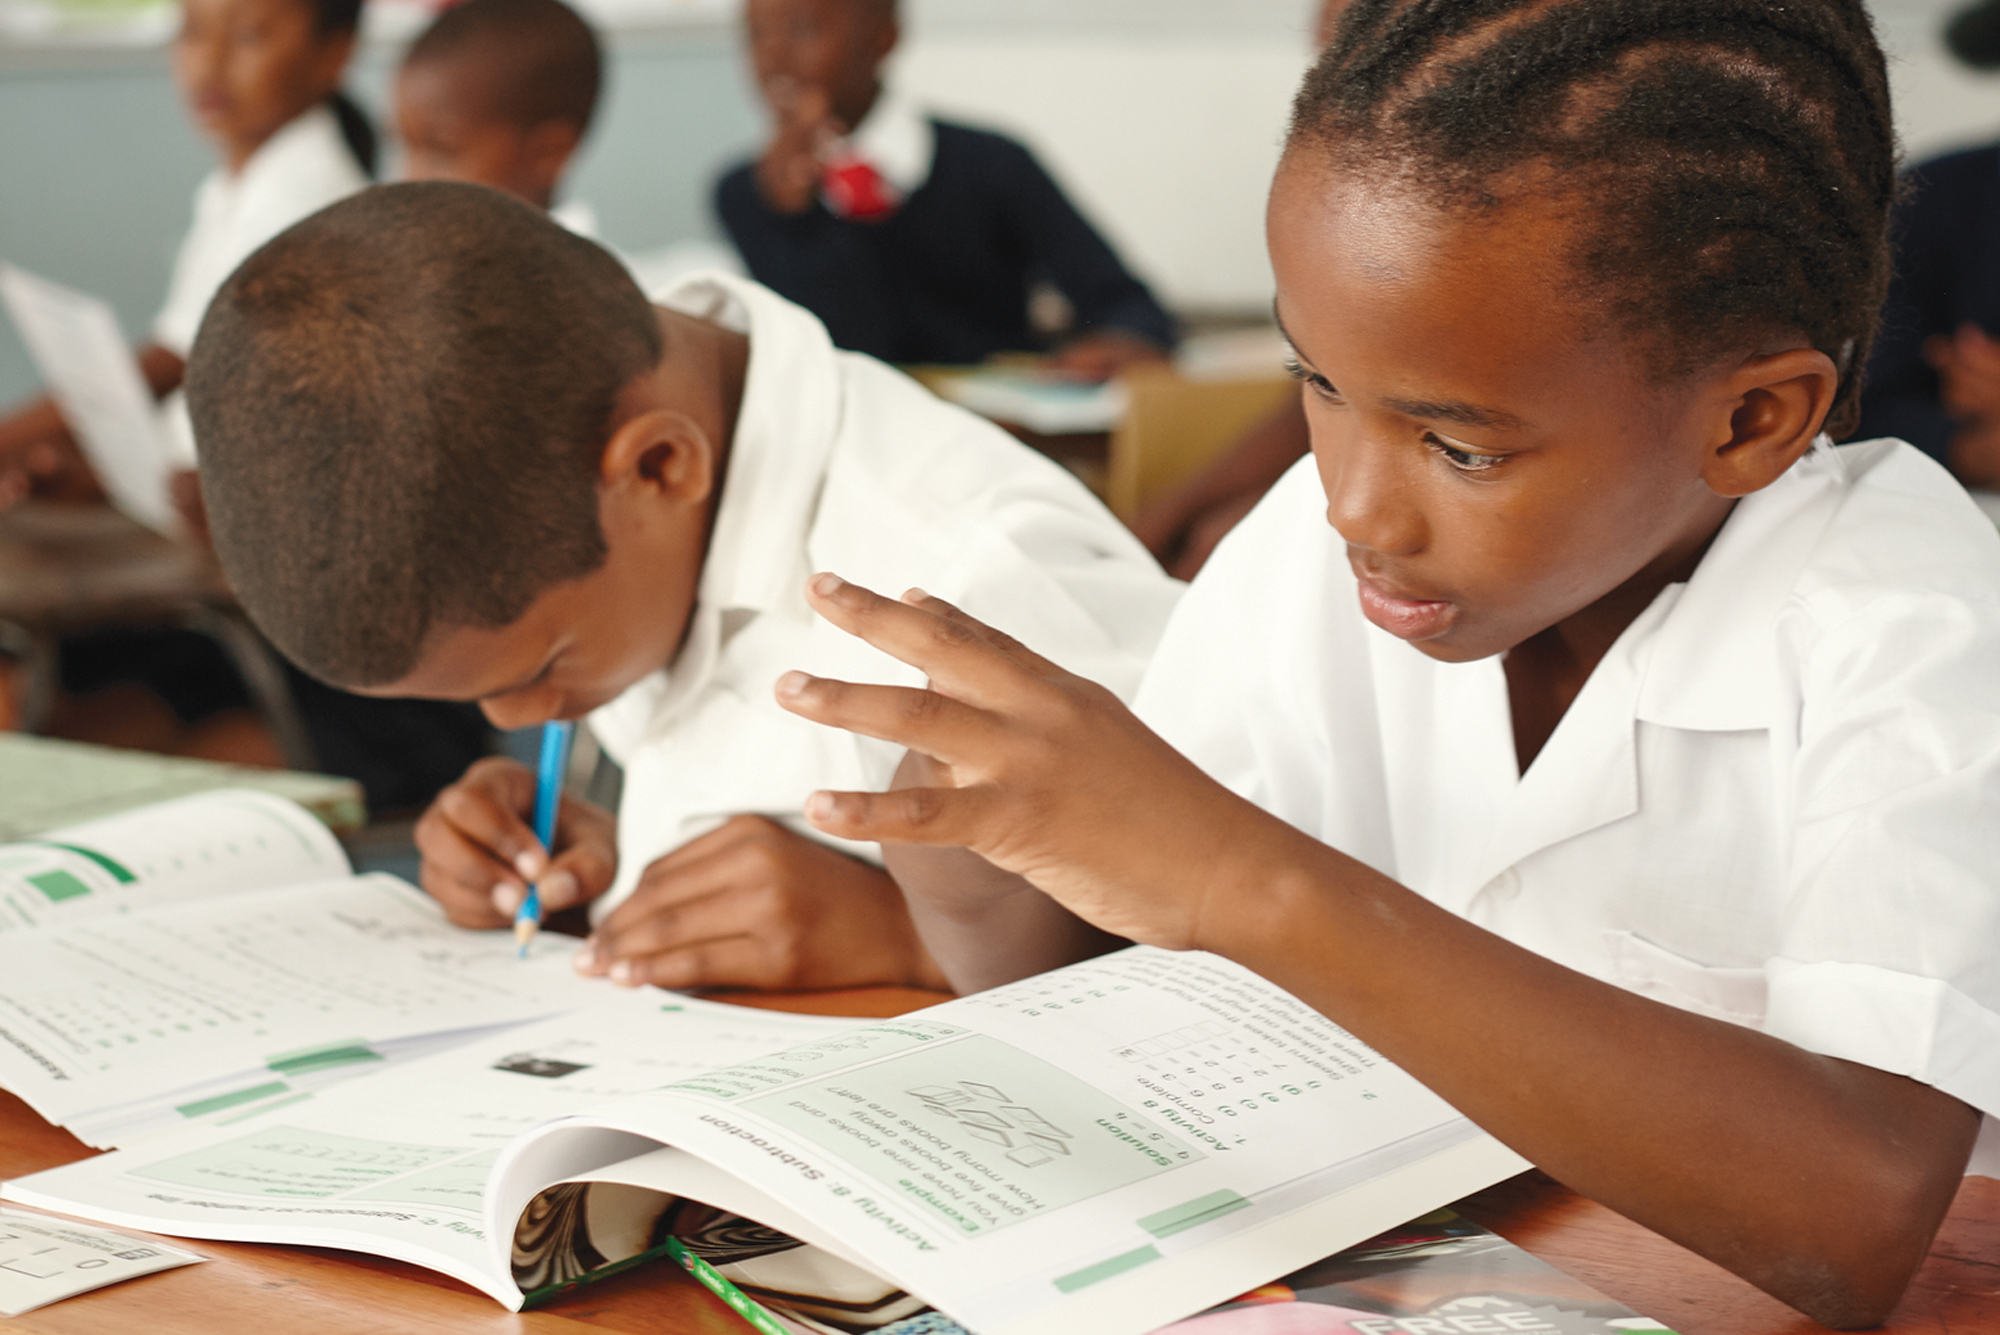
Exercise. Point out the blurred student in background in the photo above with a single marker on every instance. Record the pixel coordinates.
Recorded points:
(914, 239)
(1934, 378)
(261, 79)
(500, 93)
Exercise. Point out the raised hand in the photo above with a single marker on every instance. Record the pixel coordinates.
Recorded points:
(788, 173)
(1041, 773)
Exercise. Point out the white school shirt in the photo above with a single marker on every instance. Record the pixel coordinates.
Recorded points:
(842, 463)
(1776, 800)
(298, 171)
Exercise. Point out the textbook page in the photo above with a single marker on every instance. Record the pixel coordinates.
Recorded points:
(394, 1164)
(239, 1094)
(211, 844)
(111, 1011)
(88, 367)
(1104, 1148)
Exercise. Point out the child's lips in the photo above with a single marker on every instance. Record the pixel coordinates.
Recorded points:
(1412, 619)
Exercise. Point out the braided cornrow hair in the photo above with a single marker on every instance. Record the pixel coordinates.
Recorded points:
(1734, 160)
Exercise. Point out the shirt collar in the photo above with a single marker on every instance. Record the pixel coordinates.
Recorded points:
(897, 140)
(785, 430)
(1714, 663)
(313, 134)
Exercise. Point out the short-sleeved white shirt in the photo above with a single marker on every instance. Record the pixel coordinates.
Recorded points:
(298, 171)
(1776, 800)
(841, 463)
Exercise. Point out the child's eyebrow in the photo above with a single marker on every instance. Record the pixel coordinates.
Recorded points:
(1450, 410)
(1444, 410)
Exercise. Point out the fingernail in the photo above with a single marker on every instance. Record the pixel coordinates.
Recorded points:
(792, 683)
(622, 974)
(507, 898)
(827, 584)
(915, 595)
(529, 864)
(559, 888)
(585, 959)
(819, 806)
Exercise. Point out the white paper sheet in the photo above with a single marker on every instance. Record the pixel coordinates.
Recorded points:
(88, 367)
(44, 1260)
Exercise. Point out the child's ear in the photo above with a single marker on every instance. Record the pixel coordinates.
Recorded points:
(663, 454)
(1772, 407)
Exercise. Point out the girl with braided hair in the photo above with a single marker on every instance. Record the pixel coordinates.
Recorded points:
(1580, 727)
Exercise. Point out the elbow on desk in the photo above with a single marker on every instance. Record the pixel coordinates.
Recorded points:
(1856, 1269)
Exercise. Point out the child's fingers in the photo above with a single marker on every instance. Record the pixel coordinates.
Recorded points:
(488, 807)
(586, 861)
(952, 817)
(956, 652)
(643, 928)
(462, 877)
(937, 725)
(1006, 644)
(732, 961)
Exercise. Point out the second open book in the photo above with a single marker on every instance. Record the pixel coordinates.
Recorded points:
(1102, 1149)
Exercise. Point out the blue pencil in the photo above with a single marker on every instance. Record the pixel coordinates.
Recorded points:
(548, 795)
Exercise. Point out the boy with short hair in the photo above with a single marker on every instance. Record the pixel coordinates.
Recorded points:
(499, 93)
(451, 451)
(914, 239)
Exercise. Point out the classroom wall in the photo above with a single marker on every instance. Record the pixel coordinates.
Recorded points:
(1161, 116)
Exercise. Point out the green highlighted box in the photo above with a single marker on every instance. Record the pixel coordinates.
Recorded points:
(1197, 1211)
(59, 885)
(347, 1052)
(203, 1107)
(1103, 1270)
(117, 870)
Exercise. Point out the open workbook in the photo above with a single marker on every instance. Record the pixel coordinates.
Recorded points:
(195, 958)
(1102, 1149)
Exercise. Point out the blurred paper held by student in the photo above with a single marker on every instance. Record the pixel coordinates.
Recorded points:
(575, 502)
(261, 81)
(1580, 727)
(915, 239)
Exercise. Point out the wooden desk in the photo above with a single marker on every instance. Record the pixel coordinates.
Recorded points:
(310, 1291)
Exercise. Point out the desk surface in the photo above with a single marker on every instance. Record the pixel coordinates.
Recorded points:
(307, 1291)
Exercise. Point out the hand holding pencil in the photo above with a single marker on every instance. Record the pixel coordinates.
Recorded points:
(481, 850)
(556, 735)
